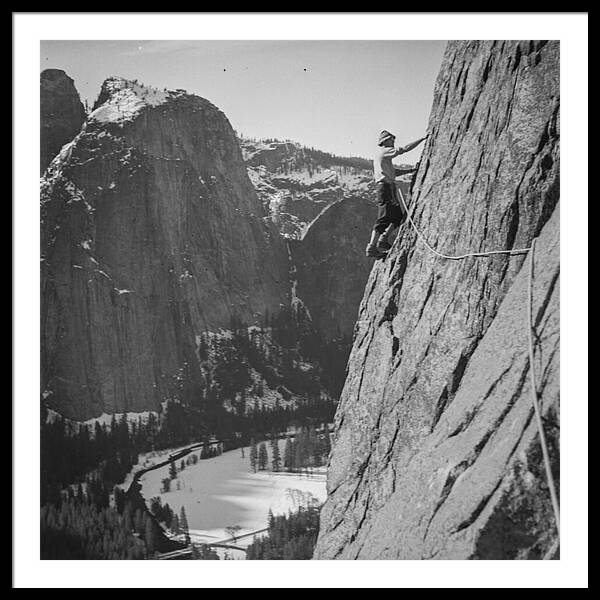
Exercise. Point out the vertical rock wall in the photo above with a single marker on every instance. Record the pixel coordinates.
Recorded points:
(436, 454)
(332, 267)
(61, 114)
(151, 234)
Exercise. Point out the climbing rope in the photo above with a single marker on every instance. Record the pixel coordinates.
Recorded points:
(458, 256)
(536, 405)
(534, 395)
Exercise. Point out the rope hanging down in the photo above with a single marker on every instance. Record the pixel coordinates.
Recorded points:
(536, 405)
(459, 256)
(533, 386)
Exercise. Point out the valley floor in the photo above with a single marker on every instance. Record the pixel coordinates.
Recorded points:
(223, 491)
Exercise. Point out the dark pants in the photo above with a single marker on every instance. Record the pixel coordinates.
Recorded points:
(389, 210)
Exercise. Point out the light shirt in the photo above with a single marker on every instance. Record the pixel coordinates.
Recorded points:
(383, 169)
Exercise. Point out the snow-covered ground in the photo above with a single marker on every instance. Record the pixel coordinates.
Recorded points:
(132, 417)
(223, 491)
(104, 418)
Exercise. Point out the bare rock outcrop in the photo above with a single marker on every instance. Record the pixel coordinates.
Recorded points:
(61, 114)
(436, 453)
(151, 234)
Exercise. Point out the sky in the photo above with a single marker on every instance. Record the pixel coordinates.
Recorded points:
(333, 95)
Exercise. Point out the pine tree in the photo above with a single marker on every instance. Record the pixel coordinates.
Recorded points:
(288, 455)
(326, 442)
(127, 519)
(172, 470)
(263, 457)
(138, 521)
(313, 450)
(253, 455)
(175, 525)
(167, 515)
(183, 525)
(276, 456)
(149, 536)
(300, 450)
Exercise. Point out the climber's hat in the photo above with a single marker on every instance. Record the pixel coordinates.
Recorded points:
(384, 135)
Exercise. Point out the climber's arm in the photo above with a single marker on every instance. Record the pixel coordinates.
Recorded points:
(404, 170)
(412, 145)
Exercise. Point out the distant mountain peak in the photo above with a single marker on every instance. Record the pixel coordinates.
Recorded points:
(54, 75)
(61, 113)
(122, 100)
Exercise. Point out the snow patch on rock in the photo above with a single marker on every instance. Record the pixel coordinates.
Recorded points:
(126, 99)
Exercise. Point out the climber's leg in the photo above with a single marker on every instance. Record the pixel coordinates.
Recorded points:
(385, 201)
(372, 249)
(374, 237)
(382, 222)
(383, 241)
(396, 215)
(391, 215)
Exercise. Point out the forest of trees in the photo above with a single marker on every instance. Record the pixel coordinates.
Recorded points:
(78, 453)
(286, 355)
(83, 513)
(97, 520)
(307, 449)
(178, 525)
(289, 537)
(78, 529)
(294, 331)
(309, 156)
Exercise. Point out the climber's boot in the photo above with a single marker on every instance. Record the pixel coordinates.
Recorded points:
(382, 244)
(373, 252)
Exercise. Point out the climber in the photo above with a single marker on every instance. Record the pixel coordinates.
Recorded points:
(390, 214)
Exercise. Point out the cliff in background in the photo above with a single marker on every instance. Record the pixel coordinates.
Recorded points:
(436, 453)
(331, 266)
(296, 183)
(61, 114)
(151, 234)
(325, 205)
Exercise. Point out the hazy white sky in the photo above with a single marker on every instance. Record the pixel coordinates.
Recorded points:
(333, 95)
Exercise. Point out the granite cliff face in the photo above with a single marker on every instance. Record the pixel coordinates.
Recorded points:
(61, 115)
(436, 452)
(151, 234)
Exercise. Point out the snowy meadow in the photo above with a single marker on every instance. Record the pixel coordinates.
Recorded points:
(224, 491)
